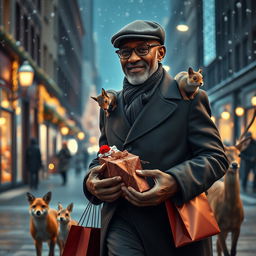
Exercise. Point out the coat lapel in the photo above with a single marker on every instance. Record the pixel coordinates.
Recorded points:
(118, 120)
(158, 109)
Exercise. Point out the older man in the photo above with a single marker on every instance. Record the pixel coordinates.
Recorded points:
(177, 137)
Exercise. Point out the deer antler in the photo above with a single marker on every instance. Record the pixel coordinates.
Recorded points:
(248, 127)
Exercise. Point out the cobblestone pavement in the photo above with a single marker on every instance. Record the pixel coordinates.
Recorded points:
(15, 239)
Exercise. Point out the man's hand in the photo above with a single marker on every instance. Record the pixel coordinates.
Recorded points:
(107, 190)
(165, 187)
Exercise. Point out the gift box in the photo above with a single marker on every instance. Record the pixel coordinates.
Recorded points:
(124, 164)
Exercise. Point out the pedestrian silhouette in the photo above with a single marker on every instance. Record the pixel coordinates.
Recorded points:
(248, 162)
(33, 163)
(64, 157)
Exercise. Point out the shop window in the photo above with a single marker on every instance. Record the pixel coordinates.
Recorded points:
(226, 124)
(19, 138)
(5, 147)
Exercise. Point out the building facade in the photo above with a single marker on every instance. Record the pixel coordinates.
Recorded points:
(31, 30)
(222, 40)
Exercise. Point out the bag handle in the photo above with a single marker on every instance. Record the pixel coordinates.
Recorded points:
(92, 216)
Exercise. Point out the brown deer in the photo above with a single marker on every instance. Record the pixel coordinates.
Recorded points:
(224, 198)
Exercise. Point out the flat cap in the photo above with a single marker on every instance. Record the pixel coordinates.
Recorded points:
(140, 29)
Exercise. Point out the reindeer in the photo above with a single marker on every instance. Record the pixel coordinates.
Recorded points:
(224, 198)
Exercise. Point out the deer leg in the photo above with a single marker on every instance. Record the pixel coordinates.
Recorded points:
(235, 236)
(222, 239)
(218, 247)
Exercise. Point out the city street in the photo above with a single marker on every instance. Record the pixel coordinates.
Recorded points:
(15, 239)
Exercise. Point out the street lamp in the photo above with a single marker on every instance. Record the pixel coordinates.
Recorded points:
(225, 115)
(81, 135)
(239, 111)
(64, 130)
(253, 101)
(26, 74)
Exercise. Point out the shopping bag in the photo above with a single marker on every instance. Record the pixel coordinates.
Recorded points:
(192, 221)
(85, 241)
(82, 241)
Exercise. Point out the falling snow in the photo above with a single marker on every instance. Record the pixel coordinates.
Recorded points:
(229, 42)
(225, 18)
(238, 5)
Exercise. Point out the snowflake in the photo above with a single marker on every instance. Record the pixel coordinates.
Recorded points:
(248, 10)
(127, 14)
(34, 11)
(81, 9)
(230, 71)
(238, 5)
(229, 42)
(220, 57)
(52, 14)
(225, 18)
(249, 57)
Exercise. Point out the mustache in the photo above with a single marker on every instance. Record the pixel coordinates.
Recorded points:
(139, 63)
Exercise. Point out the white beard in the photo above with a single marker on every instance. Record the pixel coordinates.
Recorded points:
(140, 79)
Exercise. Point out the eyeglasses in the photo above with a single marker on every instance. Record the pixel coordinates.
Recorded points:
(141, 50)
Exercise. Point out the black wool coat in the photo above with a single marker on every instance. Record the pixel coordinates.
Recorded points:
(177, 137)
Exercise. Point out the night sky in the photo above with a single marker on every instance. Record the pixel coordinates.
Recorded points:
(109, 17)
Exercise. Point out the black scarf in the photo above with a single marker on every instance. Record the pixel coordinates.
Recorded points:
(136, 96)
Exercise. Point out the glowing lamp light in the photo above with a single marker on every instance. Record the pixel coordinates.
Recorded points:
(18, 110)
(2, 120)
(5, 104)
(93, 140)
(64, 130)
(26, 74)
(182, 27)
(253, 100)
(213, 119)
(72, 146)
(51, 166)
(225, 115)
(239, 111)
(81, 135)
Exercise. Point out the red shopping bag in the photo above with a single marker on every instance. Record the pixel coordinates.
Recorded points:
(82, 241)
(85, 241)
(192, 221)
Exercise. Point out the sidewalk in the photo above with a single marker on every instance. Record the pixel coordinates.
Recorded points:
(15, 238)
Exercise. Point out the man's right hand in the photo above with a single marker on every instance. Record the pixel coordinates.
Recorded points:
(108, 189)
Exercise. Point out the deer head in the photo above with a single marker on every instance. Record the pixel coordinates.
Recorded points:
(233, 152)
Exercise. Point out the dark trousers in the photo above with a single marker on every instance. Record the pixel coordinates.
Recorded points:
(145, 231)
(33, 182)
(64, 177)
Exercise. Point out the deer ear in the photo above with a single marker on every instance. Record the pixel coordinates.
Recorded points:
(190, 71)
(70, 207)
(60, 207)
(200, 71)
(94, 98)
(30, 198)
(47, 197)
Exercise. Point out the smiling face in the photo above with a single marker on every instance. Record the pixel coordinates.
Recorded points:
(138, 69)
